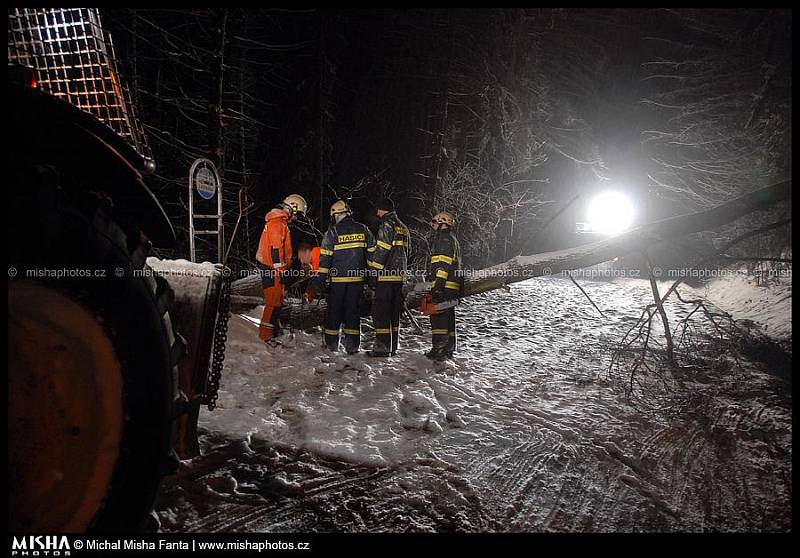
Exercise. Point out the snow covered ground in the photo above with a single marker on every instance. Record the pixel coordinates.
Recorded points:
(524, 430)
(770, 307)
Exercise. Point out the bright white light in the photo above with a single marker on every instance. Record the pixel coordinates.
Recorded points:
(610, 213)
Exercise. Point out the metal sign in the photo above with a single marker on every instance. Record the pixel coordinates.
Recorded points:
(204, 178)
(206, 183)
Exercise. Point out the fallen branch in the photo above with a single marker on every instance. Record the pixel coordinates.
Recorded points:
(660, 307)
(574, 282)
(412, 319)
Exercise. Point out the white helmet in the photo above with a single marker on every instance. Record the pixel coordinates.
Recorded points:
(296, 203)
(444, 218)
(339, 207)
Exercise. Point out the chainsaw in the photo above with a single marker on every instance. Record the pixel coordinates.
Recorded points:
(426, 304)
(429, 308)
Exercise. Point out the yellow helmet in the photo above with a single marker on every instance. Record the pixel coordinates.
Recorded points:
(339, 207)
(443, 218)
(297, 203)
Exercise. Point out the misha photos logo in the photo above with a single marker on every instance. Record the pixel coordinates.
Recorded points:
(40, 545)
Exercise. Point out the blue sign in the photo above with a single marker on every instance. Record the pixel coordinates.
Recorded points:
(206, 183)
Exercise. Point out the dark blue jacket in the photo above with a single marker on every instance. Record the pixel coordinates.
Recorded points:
(445, 264)
(393, 243)
(343, 252)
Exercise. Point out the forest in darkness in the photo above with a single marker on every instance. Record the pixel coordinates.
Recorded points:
(509, 118)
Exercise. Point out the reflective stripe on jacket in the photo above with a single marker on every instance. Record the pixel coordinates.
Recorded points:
(445, 262)
(344, 249)
(393, 243)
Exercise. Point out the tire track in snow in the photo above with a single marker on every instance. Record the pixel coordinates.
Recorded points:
(341, 488)
(534, 439)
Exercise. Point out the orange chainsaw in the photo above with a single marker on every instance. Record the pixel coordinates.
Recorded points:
(429, 308)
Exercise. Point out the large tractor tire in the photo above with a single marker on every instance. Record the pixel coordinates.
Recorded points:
(92, 364)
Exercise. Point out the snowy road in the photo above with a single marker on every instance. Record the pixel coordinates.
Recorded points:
(525, 430)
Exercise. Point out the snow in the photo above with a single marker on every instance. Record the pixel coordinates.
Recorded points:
(768, 306)
(332, 404)
(526, 429)
(183, 267)
(189, 280)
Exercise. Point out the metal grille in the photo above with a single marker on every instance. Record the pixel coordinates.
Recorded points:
(74, 59)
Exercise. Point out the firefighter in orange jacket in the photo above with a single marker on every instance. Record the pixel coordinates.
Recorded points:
(309, 259)
(275, 258)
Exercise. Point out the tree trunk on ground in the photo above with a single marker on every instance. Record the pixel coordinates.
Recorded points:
(635, 240)
(522, 268)
(247, 286)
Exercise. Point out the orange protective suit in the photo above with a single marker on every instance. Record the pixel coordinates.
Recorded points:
(275, 254)
(315, 268)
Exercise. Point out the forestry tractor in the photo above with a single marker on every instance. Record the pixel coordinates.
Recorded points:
(110, 353)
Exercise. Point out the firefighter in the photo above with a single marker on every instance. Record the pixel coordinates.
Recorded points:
(388, 262)
(343, 261)
(275, 258)
(445, 274)
(309, 260)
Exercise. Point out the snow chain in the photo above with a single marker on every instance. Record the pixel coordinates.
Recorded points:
(220, 339)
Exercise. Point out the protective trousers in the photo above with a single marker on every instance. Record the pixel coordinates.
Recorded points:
(344, 301)
(386, 309)
(443, 327)
(273, 300)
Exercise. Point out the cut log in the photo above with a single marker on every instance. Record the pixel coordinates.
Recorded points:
(240, 303)
(251, 284)
(522, 268)
(248, 286)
